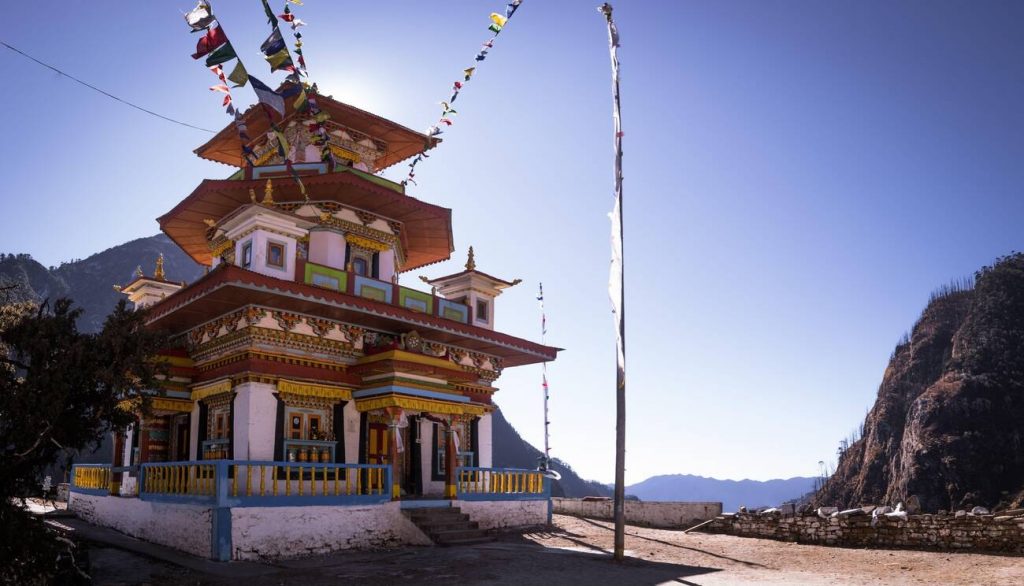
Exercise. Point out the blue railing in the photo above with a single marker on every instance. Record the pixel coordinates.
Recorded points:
(253, 483)
(494, 484)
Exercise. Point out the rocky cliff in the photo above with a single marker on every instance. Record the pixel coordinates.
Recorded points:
(948, 423)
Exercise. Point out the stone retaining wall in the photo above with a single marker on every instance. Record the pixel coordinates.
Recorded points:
(665, 515)
(987, 533)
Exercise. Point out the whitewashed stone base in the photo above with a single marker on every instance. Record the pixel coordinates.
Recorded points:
(182, 527)
(667, 515)
(505, 514)
(284, 532)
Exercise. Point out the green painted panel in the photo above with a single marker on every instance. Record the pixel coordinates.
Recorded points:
(416, 300)
(374, 293)
(326, 277)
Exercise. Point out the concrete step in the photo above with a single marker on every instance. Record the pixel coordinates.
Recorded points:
(447, 526)
(455, 514)
(435, 526)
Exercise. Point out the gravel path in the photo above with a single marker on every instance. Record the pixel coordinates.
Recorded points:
(576, 551)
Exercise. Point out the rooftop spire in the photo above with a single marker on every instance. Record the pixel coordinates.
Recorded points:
(470, 261)
(268, 194)
(159, 272)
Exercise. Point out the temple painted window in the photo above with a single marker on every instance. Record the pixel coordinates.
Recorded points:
(306, 424)
(482, 310)
(308, 430)
(217, 444)
(246, 255)
(275, 254)
(359, 266)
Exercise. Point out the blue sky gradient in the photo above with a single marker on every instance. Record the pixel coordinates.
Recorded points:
(798, 177)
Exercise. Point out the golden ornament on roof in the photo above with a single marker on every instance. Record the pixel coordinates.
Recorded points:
(268, 194)
(159, 272)
(470, 261)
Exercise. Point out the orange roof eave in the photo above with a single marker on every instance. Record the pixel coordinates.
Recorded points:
(427, 228)
(403, 142)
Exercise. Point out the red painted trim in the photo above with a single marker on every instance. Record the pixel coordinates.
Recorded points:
(230, 274)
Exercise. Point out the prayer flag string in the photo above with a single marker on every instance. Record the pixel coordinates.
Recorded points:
(215, 46)
(497, 24)
(317, 123)
(545, 459)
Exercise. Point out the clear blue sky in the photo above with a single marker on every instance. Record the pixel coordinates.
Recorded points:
(799, 177)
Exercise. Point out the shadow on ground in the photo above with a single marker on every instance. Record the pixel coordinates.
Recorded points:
(512, 560)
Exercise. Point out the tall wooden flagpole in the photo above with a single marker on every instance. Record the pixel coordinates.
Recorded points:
(617, 292)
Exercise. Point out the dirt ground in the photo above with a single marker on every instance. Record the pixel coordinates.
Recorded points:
(576, 551)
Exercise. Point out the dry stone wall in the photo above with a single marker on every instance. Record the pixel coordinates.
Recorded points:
(983, 533)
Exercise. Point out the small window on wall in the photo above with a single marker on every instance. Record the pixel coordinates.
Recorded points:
(221, 424)
(275, 255)
(482, 313)
(305, 425)
(360, 266)
(246, 260)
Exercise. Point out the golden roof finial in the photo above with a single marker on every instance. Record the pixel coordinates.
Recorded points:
(138, 272)
(268, 194)
(159, 272)
(470, 261)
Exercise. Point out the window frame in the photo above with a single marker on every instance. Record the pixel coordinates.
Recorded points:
(246, 257)
(284, 255)
(486, 313)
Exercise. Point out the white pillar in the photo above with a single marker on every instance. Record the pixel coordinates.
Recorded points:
(485, 441)
(351, 426)
(255, 421)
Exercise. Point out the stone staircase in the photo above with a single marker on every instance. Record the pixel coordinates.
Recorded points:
(447, 526)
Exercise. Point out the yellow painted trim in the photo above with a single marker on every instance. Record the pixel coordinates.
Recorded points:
(169, 404)
(222, 386)
(175, 360)
(409, 357)
(314, 390)
(366, 243)
(419, 404)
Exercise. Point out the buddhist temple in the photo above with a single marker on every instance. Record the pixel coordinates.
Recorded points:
(301, 373)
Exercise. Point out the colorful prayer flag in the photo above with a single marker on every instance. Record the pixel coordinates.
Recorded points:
(498, 19)
(221, 54)
(273, 44)
(213, 38)
(271, 19)
(199, 17)
(266, 95)
(279, 60)
(239, 75)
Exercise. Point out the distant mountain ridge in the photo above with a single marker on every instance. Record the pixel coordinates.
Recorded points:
(731, 493)
(90, 283)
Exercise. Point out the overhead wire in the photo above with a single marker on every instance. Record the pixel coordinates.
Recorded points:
(105, 93)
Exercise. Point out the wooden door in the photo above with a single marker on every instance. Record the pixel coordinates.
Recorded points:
(377, 443)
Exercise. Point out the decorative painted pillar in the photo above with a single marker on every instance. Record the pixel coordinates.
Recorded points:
(153, 439)
(449, 460)
(395, 414)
